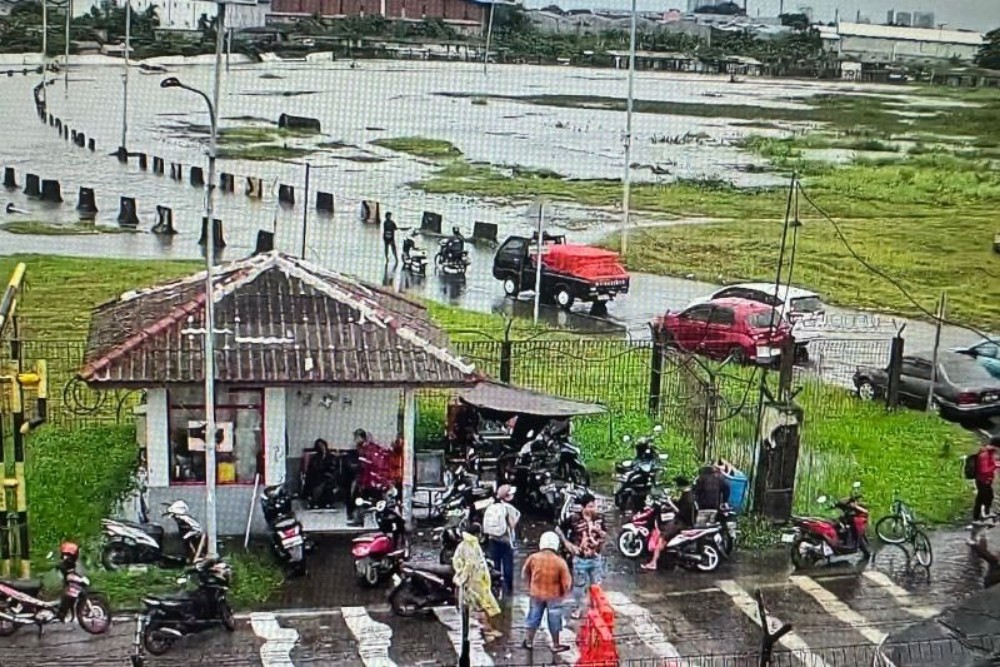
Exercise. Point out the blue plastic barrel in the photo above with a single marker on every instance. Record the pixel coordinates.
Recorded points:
(738, 483)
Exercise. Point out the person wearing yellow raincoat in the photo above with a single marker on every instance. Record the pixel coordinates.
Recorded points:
(472, 576)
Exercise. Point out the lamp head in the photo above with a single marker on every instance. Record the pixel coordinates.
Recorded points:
(170, 82)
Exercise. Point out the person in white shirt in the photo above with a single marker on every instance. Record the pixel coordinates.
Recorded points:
(500, 525)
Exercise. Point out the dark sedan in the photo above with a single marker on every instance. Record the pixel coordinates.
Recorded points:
(964, 389)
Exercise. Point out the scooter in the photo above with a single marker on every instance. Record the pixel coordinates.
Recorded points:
(420, 588)
(130, 543)
(20, 605)
(170, 618)
(636, 478)
(414, 257)
(376, 555)
(697, 549)
(288, 541)
(814, 540)
(633, 538)
(448, 262)
(570, 466)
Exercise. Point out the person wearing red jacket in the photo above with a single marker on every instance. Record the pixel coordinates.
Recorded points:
(986, 469)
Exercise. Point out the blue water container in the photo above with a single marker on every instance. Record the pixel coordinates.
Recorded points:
(738, 483)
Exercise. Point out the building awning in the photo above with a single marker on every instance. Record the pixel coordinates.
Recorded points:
(509, 400)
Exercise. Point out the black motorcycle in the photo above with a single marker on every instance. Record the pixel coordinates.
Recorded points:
(288, 541)
(636, 478)
(452, 258)
(420, 588)
(570, 467)
(170, 618)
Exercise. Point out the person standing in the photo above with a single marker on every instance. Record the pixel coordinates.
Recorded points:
(986, 469)
(472, 577)
(583, 535)
(549, 581)
(500, 524)
(389, 237)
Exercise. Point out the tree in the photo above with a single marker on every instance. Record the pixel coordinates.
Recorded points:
(989, 53)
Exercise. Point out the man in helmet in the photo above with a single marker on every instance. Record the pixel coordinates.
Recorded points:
(456, 244)
(549, 581)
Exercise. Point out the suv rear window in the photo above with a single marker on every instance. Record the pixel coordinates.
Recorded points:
(764, 319)
(807, 304)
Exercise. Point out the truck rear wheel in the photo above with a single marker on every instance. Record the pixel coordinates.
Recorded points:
(510, 287)
(563, 298)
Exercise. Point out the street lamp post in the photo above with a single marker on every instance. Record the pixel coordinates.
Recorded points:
(69, 17)
(627, 187)
(128, 47)
(211, 525)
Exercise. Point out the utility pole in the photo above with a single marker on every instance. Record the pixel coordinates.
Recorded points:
(128, 47)
(489, 37)
(627, 193)
(69, 16)
(305, 213)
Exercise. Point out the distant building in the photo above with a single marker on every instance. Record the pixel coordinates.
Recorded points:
(459, 13)
(871, 44)
(923, 19)
(903, 19)
(890, 18)
(181, 15)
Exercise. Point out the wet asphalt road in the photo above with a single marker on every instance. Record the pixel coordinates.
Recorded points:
(666, 614)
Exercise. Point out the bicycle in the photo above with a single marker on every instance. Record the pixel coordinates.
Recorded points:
(901, 527)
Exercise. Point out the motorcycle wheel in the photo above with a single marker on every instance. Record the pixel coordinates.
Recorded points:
(115, 556)
(728, 543)
(630, 544)
(576, 475)
(156, 642)
(710, 559)
(93, 614)
(799, 559)
(226, 615)
(403, 600)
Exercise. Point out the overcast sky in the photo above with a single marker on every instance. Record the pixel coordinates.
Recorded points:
(971, 14)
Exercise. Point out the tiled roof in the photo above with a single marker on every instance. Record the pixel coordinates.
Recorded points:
(278, 319)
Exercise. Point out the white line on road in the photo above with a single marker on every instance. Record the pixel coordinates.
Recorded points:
(902, 596)
(745, 603)
(644, 626)
(374, 638)
(278, 641)
(570, 657)
(839, 610)
(452, 620)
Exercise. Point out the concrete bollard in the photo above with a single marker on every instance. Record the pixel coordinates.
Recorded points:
(143, 162)
(81, 139)
(176, 171)
(58, 125)
(51, 191)
(31, 186)
(265, 242)
(255, 188)
(324, 202)
(72, 135)
(218, 239)
(197, 176)
(91, 144)
(86, 204)
(9, 178)
(127, 216)
(485, 231)
(158, 165)
(431, 222)
(286, 194)
(66, 132)
(122, 154)
(164, 221)
(52, 120)
(227, 182)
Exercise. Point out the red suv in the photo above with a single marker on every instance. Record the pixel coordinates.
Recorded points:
(738, 328)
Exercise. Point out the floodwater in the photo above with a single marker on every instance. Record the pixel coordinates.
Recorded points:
(379, 99)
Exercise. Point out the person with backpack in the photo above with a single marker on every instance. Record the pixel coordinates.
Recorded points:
(499, 524)
(982, 467)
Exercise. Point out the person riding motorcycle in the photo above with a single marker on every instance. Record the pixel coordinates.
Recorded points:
(683, 520)
(455, 246)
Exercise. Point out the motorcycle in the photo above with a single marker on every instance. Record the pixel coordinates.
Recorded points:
(129, 543)
(288, 541)
(170, 618)
(636, 478)
(815, 539)
(420, 588)
(414, 257)
(634, 536)
(570, 465)
(698, 549)
(451, 261)
(20, 604)
(376, 554)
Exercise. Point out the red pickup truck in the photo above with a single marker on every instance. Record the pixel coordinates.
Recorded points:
(570, 272)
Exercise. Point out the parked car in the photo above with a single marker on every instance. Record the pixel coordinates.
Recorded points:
(744, 330)
(570, 272)
(803, 308)
(987, 353)
(964, 390)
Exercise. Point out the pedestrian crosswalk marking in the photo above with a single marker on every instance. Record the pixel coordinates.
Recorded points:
(901, 595)
(643, 624)
(452, 620)
(748, 606)
(839, 610)
(374, 638)
(570, 657)
(278, 641)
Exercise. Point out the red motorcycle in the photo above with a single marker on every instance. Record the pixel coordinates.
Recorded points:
(378, 555)
(634, 539)
(817, 540)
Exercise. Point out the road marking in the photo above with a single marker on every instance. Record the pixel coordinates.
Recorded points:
(643, 624)
(745, 603)
(374, 638)
(278, 641)
(839, 610)
(572, 656)
(902, 596)
(452, 620)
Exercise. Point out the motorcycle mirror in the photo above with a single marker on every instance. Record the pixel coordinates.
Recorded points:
(821, 500)
(531, 434)
(359, 502)
(856, 485)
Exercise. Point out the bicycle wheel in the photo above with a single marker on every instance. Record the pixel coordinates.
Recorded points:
(922, 549)
(891, 529)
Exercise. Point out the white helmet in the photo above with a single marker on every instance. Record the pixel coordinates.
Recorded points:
(549, 540)
(179, 507)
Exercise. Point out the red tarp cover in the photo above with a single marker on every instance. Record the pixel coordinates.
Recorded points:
(583, 261)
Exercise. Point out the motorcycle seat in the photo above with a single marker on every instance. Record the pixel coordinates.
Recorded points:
(443, 571)
(168, 600)
(27, 586)
(151, 529)
(286, 523)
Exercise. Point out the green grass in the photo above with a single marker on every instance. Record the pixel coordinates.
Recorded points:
(264, 152)
(431, 149)
(39, 228)
(260, 143)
